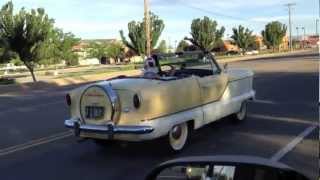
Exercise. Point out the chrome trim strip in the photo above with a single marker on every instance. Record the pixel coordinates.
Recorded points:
(108, 128)
(114, 100)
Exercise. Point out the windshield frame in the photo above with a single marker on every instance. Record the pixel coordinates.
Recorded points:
(215, 68)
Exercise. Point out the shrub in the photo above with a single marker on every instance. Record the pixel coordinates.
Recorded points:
(72, 62)
(5, 81)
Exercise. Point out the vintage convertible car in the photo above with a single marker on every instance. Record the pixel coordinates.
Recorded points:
(188, 91)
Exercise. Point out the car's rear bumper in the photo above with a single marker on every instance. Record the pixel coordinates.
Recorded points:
(108, 130)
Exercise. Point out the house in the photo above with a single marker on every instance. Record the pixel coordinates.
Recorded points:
(227, 46)
(284, 44)
(259, 42)
(83, 48)
(311, 41)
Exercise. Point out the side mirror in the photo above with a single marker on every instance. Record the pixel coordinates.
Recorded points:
(223, 168)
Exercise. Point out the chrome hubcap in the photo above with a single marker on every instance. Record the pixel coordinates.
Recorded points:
(176, 132)
(178, 136)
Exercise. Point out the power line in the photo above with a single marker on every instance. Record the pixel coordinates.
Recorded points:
(212, 12)
(220, 14)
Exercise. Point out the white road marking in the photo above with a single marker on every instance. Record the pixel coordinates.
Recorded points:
(285, 119)
(34, 143)
(262, 101)
(289, 147)
(29, 108)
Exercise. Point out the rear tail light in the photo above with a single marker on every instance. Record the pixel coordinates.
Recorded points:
(136, 101)
(68, 99)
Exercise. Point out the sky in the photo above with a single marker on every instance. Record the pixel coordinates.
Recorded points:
(92, 19)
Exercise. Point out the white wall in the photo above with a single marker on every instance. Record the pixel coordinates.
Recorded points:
(92, 61)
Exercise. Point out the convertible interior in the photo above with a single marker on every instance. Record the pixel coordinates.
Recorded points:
(184, 70)
(175, 68)
(181, 73)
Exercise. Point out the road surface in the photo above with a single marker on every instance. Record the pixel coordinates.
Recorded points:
(281, 125)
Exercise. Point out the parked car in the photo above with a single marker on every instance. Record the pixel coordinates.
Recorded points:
(253, 52)
(188, 91)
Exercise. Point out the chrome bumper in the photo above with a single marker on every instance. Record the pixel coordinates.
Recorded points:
(108, 129)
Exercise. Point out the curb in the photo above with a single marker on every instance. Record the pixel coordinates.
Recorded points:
(264, 56)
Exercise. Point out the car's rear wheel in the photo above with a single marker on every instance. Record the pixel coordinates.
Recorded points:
(242, 114)
(178, 136)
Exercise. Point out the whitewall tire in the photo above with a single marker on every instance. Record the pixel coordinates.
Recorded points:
(242, 114)
(178, 136)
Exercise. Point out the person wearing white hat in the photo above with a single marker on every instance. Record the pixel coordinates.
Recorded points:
(150, 69)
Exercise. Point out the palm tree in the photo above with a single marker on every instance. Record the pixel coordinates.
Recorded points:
(242, 37)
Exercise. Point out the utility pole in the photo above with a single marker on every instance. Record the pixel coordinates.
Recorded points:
(304, 36)
(289, 5)
(298, 39)
(147, 28)
(317, 24)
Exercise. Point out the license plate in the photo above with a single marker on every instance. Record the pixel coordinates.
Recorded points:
(94, 112)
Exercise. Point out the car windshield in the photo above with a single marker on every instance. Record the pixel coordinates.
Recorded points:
(191, 60)
(192, 63)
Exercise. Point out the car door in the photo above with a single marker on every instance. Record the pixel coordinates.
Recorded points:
(212, 88)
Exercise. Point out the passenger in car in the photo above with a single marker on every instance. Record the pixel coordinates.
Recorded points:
(150, 70)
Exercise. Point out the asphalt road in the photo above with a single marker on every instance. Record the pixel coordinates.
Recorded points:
(35, 145)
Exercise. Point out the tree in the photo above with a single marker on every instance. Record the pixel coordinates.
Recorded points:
(162, 48)
(115, 50)
(137, 34)
(65, 43)
(97, 50)
(6, 55)
(60, 47)
(24, 33)
(273, 34)
(182, 46)
(243, 38)
(205, 34)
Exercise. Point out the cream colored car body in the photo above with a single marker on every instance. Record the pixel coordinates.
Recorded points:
(163, 104)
